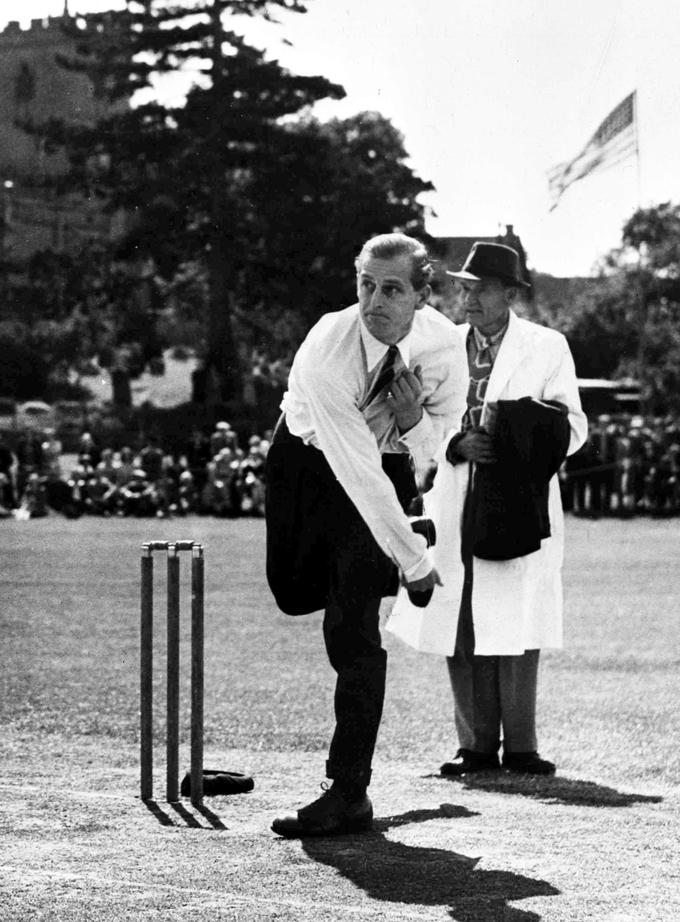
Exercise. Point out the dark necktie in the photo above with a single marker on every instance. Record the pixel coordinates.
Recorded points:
(385, 376)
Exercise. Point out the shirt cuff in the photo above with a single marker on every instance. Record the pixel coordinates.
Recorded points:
(417, 434)
(420, 569)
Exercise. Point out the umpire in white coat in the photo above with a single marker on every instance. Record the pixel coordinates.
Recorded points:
(491, 616)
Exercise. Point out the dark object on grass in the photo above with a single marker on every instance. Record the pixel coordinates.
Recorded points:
(219, 782)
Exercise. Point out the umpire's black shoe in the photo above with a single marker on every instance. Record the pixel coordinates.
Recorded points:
(331, 815)
(527, 763)
(468, 761)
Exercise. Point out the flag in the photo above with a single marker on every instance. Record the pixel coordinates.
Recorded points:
(614, 141)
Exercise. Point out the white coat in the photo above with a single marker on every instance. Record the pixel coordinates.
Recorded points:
(516, 604)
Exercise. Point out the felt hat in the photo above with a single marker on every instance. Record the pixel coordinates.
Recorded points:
(492, 260)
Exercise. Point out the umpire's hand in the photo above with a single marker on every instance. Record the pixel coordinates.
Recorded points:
(476, 446)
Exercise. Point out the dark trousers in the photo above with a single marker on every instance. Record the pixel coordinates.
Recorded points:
(321, 555)
(491, 693)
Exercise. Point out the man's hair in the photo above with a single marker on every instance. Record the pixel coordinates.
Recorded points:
(389, 246)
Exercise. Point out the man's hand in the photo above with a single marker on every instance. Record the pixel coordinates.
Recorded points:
(476, 446)
(404, 397)
(420, 590)
(425, 583)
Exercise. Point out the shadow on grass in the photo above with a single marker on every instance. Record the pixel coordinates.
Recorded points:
(551, 789)
(186, 817)
(423, 876)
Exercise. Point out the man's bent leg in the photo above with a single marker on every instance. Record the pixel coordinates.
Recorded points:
(355, 652)
(359, 572)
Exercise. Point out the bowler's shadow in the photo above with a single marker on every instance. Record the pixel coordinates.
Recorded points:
(551, 789)
(397, 873)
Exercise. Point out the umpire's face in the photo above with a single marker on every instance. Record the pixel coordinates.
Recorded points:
(387, 299)
(487, 303)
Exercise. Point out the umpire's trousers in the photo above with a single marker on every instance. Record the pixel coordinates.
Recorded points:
(321, 555)
(491, 693)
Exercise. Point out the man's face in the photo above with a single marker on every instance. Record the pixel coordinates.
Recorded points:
(387, 299)
(486, 303)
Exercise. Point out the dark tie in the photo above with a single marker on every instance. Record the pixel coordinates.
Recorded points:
(386, 375)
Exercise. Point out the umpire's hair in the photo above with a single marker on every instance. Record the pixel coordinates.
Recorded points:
(387, 246)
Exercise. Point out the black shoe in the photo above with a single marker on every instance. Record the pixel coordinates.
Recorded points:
(216, 782)
(331, 815)
(527, 763)
(468, 761)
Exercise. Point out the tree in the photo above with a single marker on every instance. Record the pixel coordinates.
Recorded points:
(627, 322)
(69, 311)
(331, 187)
(187, 165)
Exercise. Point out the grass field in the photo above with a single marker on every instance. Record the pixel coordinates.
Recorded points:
(598, 842)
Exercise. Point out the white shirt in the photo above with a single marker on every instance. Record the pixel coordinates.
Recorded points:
(329, 381)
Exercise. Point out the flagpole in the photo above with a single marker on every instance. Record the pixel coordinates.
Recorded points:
(637, 149)
(642, 298)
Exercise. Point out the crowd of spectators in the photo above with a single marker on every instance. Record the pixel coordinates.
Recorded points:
(629, 465)
(210, 475)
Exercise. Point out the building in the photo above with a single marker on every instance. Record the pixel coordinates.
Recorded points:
(33, 89)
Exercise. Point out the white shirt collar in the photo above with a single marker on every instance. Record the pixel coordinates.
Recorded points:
(375, 350)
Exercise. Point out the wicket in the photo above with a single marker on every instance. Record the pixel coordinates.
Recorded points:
(173, 550)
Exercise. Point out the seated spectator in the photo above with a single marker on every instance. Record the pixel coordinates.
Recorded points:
(196, 456)
(8, 468)
(6, 497)
(124, 466)
(107, 464)
(151, 459)
(138, 496)
(187, 494)
(223, 437)
(63, 497)
(51, 456)
(88, 446)
(34, 500)
(97, 494)
(29, 458)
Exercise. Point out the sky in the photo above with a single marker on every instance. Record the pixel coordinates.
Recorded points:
(489, 96)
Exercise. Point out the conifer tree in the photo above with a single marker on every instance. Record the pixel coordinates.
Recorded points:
(181, 169)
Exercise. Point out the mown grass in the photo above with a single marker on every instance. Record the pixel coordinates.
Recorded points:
(593, 843)
(609, 701)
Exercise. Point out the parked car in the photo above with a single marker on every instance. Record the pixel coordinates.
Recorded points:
(36, 415)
